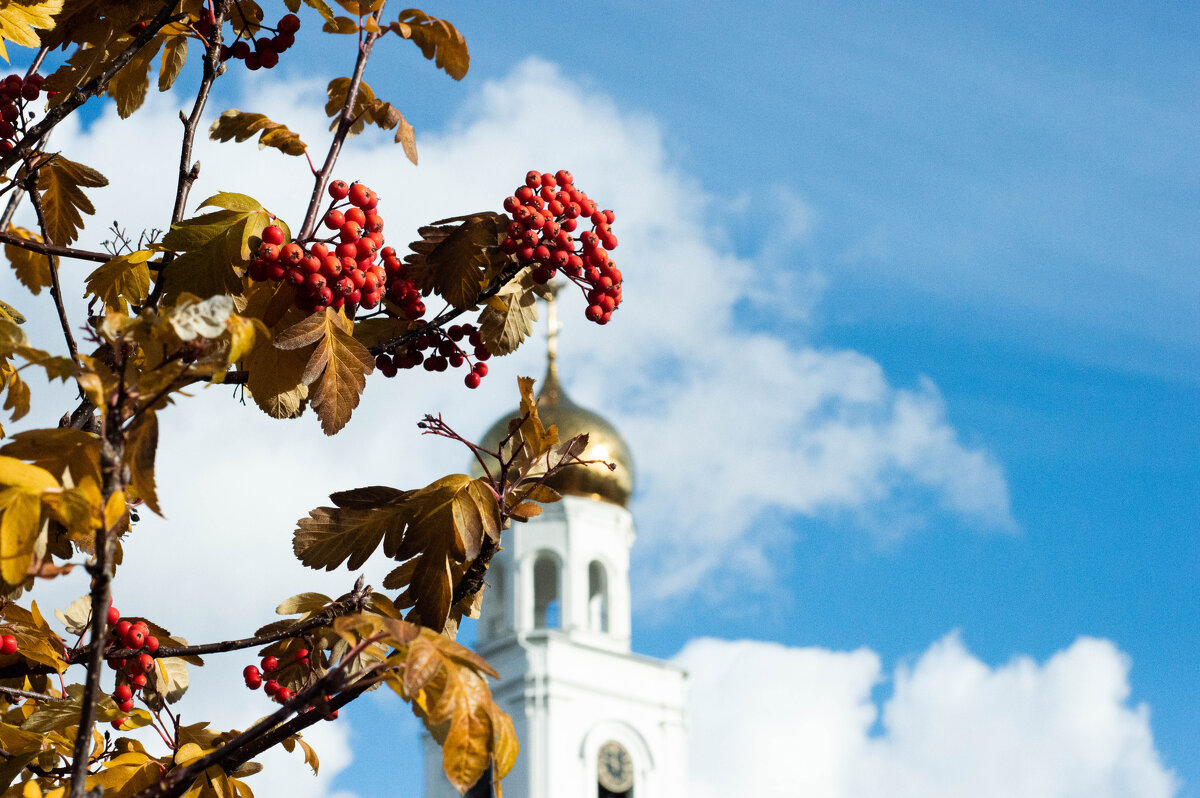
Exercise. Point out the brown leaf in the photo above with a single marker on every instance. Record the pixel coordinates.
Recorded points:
(350, 531)
(174, 56)
(239, 125)
(464, 262)
(61, 182)
(439, 41)
(336, 371)
(406, 137)
(141, 445)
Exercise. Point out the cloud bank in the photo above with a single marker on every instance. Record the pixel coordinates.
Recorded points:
(778, 722)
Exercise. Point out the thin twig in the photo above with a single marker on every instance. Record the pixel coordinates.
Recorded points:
(345, 120)
(92, 88)
(15, 693)
(46, 248)
(55, 285)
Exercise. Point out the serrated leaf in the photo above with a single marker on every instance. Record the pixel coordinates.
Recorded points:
(11, 314)
(129, 86)
(123, 280)
(439, 41)
(141, 445)
(232, 201)
(406, 137)
(462, 264)
(174, 56)
(351, 530)
(32, 268)
(336, 371)
(19, 23)
(61, 182)
(274, 381)
(508, 317)
(239, 125)
(211, 246)
(365, 103)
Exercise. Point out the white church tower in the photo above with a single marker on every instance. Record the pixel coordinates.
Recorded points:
(594, 720)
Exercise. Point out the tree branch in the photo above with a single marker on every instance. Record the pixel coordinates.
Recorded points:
(47, 248)
(93, 87)
(343, 129)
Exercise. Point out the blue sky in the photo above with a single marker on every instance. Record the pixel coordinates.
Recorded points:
(911, 343)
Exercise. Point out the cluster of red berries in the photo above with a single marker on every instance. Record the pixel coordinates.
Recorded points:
(15, 92)
(132, 672)
(262, 52)
(254, 678)
(356, 270)
(448, 353)
(546, 211)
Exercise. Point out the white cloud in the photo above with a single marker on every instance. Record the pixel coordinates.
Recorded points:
(776, 722)
(726, 424)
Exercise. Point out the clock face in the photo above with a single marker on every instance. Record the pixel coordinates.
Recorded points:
(615, 767)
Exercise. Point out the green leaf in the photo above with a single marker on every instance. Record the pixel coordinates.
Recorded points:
(124, 279)
(213, 245)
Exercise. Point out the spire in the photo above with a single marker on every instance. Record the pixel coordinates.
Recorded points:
(551, 388)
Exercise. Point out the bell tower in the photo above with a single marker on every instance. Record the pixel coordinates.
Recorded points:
(594, 719)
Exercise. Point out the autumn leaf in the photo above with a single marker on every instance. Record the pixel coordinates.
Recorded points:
(11, 314)
(365, 103)
(508, 317)
(175, 52)
(457, 262)
(439, 41)
(213, 245)
(141, 445)
(61, 182)
(32, 268)
(20, 21)
(124, 279)
(240, 125)
(128, 87)
(336, 370)
(351, 530)
(406, 137)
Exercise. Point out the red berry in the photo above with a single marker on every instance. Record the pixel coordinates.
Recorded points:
(8, 644)
(254, 682)
(533, 179)
(137, 681)
(273, 235)
(271, 687)
(472, 379)
(594, 313)
(122, 693)
(289, 23)
(268, 252)
(239, 49)
(269, 664)
(126, 705)
(481, 369)
(151, 643)
(134, 638)
(123, 628)
(114, 615)
(269, 59)
(359, 195)
(338, 189)
(282, 695)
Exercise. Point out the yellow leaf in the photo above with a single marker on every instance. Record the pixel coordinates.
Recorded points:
(336, 371)
(25, 477)
(19, 22)
(114, 511)
(19, 526)
(174, 56)
(124, 279)
(63, 200)
(128, 88)
(463, 263)
(212, 246)
(274, 380)
(351, 530)
(32, 268)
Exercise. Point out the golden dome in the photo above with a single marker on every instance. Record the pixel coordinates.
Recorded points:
(594, 481)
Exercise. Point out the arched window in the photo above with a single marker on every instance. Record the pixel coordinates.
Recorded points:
(498, 606)
(546, 592)
(597, 597)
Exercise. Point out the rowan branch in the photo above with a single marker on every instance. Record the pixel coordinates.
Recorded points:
(265, 733)
(15, 693)
(345, 120)
(92, 88)
(46, 248)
